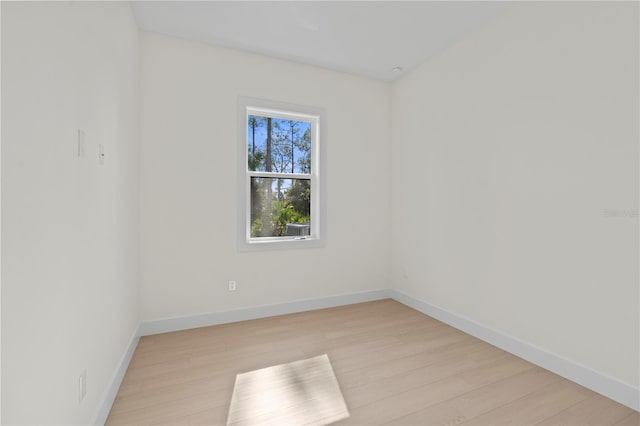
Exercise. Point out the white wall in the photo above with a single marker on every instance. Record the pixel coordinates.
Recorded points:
(188, 181)
(507, 149)
(69, 226)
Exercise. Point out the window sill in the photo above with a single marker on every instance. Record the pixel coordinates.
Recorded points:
(280, 244)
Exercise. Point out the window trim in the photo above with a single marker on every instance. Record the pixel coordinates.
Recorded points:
(252, 106)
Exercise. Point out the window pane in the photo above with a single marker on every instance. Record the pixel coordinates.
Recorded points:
(280, 207)
(278, 145)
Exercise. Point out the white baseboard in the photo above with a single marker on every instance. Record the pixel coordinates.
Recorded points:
(110, 393)
(601, 383)
(214, 318)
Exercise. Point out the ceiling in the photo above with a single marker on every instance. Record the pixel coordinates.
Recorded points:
(367, 38)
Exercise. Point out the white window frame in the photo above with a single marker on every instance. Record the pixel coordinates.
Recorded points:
(251, 106)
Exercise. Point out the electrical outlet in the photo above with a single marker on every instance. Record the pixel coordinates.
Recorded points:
(82, 382)
(232, 286)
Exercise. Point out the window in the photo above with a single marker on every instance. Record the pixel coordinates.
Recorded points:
(280, 186)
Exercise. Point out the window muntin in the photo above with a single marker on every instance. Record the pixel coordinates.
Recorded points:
(282, 196)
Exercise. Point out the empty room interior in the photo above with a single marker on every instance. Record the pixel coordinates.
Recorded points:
(314, 213)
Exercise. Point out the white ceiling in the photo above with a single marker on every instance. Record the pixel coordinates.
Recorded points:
(366, 38)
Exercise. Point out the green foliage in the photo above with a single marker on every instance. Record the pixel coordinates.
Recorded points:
(256, 227)
(304, 145)
(254, 123)
(255, 160)
(299, 197)
(292, 207)
(284, 213)
(257, 203)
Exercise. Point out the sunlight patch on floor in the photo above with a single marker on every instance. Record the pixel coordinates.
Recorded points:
(304, 392)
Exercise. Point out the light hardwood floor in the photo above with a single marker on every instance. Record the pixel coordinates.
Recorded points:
(394, 365)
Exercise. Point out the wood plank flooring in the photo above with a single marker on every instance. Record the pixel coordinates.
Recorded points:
(394, 365)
